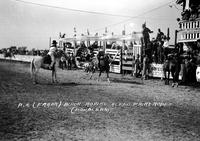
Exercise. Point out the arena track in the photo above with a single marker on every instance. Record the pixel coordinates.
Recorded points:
(127, 109)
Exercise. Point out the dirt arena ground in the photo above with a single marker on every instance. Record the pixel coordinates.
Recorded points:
(78, 109)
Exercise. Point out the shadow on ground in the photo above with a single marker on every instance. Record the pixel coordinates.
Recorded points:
(126, 81)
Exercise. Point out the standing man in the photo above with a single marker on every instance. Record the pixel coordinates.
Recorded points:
(160, 42)
(137, 66)
(165, 47)
(100, 56)
(146, 37)
(145, 70)
(70, 59)
(52, 52)
(160, 34)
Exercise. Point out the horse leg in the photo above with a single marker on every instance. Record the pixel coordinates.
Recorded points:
(168, 77)
(92, 71)
(55, 75)
(165, 77)
(176, 78)
(35, 76)
(33, 72)
(108, 79)
(91, 75)
(100, 71)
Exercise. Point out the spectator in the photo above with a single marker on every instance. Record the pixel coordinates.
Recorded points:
(146, 37)
(165, 47)
(145, 67)
(159, 52)
(160, 34)
(137, 66)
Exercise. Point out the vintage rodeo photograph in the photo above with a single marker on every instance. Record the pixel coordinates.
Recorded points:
(99, 70)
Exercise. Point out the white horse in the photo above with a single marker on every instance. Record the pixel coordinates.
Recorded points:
(39, 62)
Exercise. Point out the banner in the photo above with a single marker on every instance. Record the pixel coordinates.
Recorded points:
(198, 74)
(156, 70)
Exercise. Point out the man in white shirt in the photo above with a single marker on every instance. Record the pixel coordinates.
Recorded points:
(52, 52)
(165, 46)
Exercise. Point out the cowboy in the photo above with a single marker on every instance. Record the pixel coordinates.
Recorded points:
(100, 56)
(160, 34)
(52, 52)
(145, 33)
(165, 46)
(137, 66)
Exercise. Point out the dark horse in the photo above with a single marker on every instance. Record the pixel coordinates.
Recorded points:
(102, 62)
(172, 65)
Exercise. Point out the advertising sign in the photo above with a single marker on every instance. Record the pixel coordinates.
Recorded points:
(198, 74)
(156, 70)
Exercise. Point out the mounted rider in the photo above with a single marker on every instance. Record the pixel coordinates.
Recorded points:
(100, 56)
(52, 52)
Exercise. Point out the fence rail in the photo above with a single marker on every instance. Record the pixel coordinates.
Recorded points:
(116, 65)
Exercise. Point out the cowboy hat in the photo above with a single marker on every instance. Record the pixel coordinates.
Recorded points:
(54, 42)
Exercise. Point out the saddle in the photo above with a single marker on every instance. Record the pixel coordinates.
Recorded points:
(47, 59)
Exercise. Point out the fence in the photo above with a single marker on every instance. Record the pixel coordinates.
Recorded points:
(127, 60)
(22, 58)
(116, 64)
(128, 57)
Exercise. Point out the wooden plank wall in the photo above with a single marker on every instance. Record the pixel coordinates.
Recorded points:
(128, 58)
(115, 65)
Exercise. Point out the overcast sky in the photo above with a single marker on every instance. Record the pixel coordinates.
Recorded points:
(27, 24)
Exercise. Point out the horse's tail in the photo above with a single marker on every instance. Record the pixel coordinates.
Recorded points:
(32, 67)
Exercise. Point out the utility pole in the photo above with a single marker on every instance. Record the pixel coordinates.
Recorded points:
(175, 41)
(168, 34)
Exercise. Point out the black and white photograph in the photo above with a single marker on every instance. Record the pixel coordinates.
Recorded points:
(99, 70)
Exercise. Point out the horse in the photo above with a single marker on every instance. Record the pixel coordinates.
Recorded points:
(172, 66)
(44, 63)
(103, 65)
(91, 66)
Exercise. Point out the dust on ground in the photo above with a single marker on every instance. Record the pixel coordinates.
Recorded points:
(78, 108)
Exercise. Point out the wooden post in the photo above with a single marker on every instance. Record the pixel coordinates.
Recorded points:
(175, 41)
(121, 60)
(168, 34)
